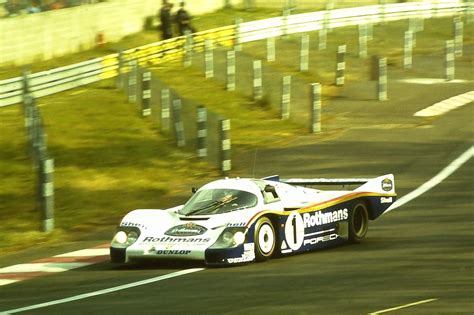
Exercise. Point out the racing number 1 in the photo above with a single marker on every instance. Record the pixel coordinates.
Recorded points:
(293, 222)
(294, 230)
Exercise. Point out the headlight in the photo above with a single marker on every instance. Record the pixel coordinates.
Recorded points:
(230, 237)
(120, 237)
(125, 237)
(239, 238)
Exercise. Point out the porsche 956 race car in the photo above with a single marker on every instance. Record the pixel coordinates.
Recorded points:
(238, 220)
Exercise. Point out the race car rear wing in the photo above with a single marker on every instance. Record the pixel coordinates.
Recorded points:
(326, 181)
(319, 181)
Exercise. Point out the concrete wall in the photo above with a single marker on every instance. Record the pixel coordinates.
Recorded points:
(35, 37)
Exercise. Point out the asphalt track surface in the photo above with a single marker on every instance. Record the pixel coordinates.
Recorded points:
(417, 259)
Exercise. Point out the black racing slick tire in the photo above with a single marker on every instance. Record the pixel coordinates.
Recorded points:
(358, 222)
(264, 239)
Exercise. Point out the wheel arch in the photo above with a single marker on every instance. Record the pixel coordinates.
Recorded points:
(369, 204)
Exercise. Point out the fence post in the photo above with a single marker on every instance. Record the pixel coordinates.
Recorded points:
(35, 134)
(201, 131)
(370, 31)
(26, 82)
(449, 61)
(341, 65)
(230, 70)
(146, 93)
(208, 59)
(165, 110)
(270, 49)
(458, 29)
(132, 82)
(327, 15)
(119, 79)
(315, 125)
(322, 41)
(188, 49)
(412, 27)
(285, 97)
(178, 123)
(382, 81)
(304, 53)
(225, 146)
(415, 25)
(363, 41)
(28, 106)
(42, 140)
(284, 31)
(46, 198)
(237, 41)
(408, 50)
(382, 4)
(257, 80)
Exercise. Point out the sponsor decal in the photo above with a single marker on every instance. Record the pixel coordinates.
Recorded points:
(320, 218)
(239, 259)
(168, 239)
(188, 229)
(139, 225)
(249, 247)
(387, 184)
(248, 255)
(236, 224)
(172, 252)
(321, 239)
(386, 200)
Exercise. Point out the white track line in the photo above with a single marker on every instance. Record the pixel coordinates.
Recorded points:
(104, 291)
(448, 170)
(429, 81)
(447, 105)
(402, 306)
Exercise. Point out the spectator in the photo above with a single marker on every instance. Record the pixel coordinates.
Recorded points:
(34, 7)
(165, 19)
(183, 19)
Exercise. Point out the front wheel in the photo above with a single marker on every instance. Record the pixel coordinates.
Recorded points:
(264, 239)
(358, 223)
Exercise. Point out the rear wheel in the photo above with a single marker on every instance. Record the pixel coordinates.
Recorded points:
(264, 239)
(358, 222)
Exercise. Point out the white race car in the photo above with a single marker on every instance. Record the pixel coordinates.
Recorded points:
(237, 220)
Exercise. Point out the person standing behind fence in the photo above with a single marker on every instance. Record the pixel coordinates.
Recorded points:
(183, 19)
(34, 7)
(165, 20)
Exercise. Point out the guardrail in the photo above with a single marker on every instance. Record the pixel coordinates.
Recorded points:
(68, 77)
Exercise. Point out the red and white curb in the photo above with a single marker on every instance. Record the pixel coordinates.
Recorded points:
(445, 106)
(58, 263)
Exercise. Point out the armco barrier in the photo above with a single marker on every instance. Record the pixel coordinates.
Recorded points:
(64, 78)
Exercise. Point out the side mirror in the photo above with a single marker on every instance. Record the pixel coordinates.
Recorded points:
(271, 189)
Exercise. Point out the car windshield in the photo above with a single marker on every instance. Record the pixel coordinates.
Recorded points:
(215, 201)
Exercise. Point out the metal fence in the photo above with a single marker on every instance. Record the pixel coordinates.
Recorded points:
(64, 78)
